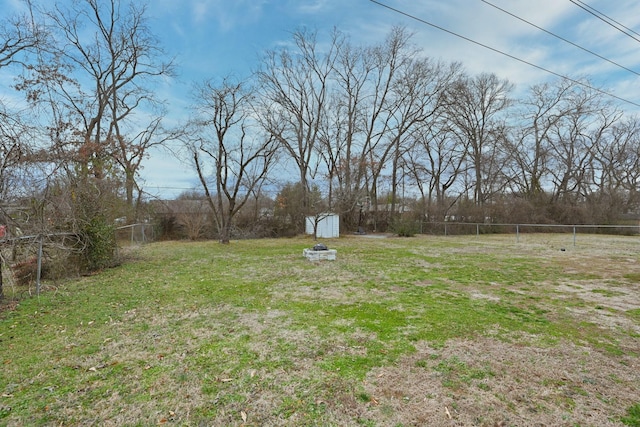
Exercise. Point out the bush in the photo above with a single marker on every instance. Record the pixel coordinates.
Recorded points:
(404, 228)
(25, 272)
(100, 244)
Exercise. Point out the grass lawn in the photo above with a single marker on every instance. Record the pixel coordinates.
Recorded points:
(437, 331)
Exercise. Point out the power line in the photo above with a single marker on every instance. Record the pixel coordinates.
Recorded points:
(562, 38)
(531, 64)
(607, 20)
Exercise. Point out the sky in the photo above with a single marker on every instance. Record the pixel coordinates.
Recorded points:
(211, 39)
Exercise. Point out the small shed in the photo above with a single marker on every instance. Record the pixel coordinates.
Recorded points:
(328, 225)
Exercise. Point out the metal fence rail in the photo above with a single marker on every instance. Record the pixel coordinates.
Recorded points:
(466, 228)
(137, 233)
(35, 239)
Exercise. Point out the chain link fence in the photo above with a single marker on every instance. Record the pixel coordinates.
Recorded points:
(521, 231)
(26, 260)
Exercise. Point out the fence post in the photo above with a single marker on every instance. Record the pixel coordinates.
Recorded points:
(477, 230)
(517, 233)
(39, 272)
(574, 236)
(1, 262)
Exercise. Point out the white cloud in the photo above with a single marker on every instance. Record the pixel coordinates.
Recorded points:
(310, 6)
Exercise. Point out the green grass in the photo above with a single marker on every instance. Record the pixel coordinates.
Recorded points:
(198, 333)
(633, 416)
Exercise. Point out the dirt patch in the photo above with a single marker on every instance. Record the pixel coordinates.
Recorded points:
(486, 382)
(621, 298)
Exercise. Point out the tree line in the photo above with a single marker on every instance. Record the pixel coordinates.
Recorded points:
(378, 133)
(390, 132)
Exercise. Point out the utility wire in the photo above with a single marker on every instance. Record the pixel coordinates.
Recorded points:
(562, 38)
(607, 20)
(546, 70)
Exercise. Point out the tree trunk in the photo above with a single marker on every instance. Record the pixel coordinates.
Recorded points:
(225, 234)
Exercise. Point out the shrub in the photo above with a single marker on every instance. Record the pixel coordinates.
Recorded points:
(404, 228)
(25, 272)
(100, 244)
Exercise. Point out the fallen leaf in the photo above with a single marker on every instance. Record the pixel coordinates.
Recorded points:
(448, 413)
(226, 380)
(244, 416)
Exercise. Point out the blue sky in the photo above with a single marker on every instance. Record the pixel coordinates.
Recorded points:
(215, 38)
(218, 37)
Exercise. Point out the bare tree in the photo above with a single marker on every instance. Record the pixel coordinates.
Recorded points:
(388, 60)
(94, 71)
(620, 164)
(574, 142)
(545, 106)
(97, 71)
(341, 146)
(419, 94)
(19, 37)
(192, 213)
(295, 93)
(131, 151)
(477, 106)
(436, 162)
(615, 164)
(230, 153)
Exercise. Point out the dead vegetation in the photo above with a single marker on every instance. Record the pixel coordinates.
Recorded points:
(485, 382)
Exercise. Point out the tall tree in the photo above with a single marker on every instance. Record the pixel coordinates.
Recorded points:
(545, 105)
(387, 61)
(616, 171)
(436, 162)
(477, 107)
(419, 94)
(340, 137)
(101, 67)
(231, 154)
(295, 96)
(19, 39)
(574, 144)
